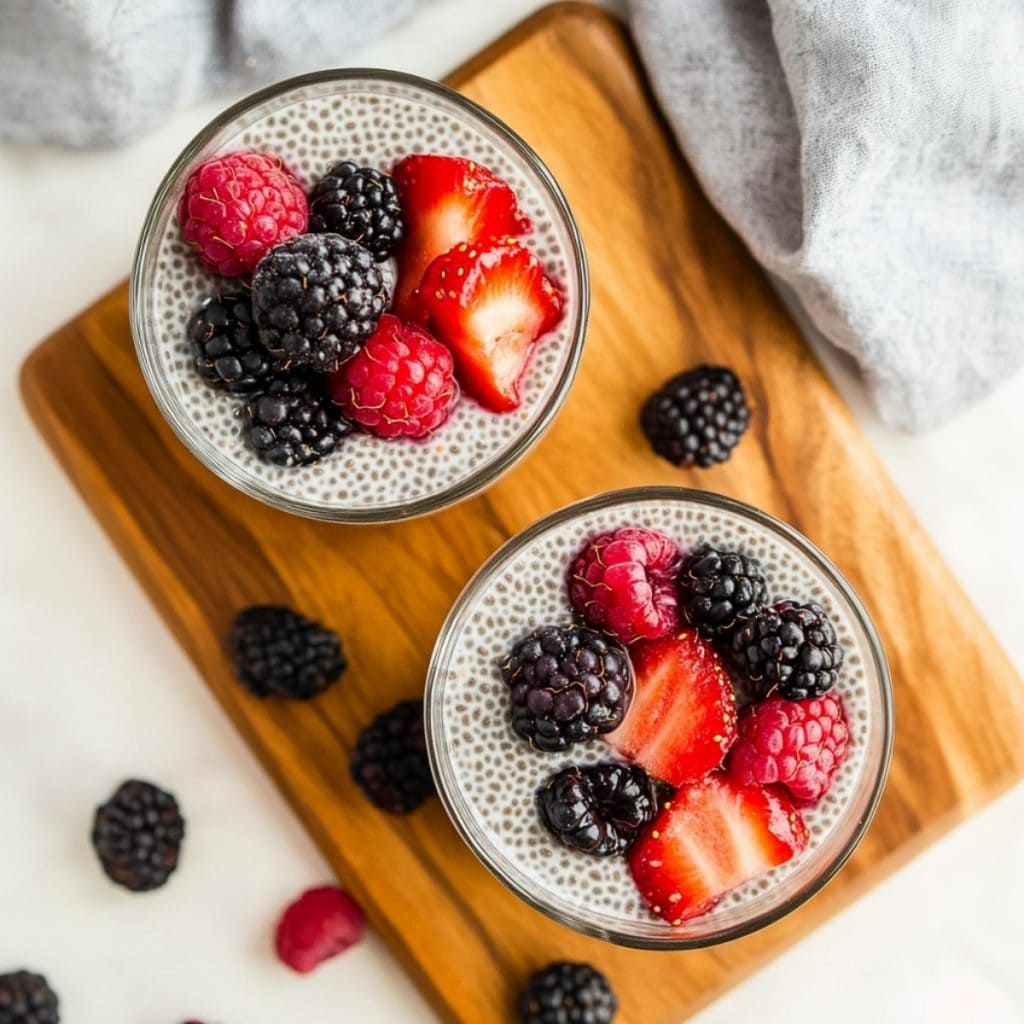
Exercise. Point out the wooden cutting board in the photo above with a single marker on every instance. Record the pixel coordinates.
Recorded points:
(672, 286)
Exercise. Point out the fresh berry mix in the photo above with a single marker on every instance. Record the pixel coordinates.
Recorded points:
(683, 718)
(309, 341)
(225, 345)
(567, 993)
(137, 835)
(698, 799)
(489, 301)
(712, 836)
(400, 384)
(719, 589)
(359, 203)
(321, 923)
(237, 207)
(791, 648)
(279, 653)
(797, 744)
(316, 300)
(293, 422)
(624, 583)
(567, 684)
(447, 200)
(698, 417)
(598, 808)
(390, 760)
(26, 998)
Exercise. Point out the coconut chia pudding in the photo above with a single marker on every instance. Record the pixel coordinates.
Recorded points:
(657, 714)
(361, 294)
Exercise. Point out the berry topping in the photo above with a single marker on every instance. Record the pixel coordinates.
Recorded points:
(360, 203)
(597, 808)
(225, 345)
(683, 718)
(789, 647)
(718, 589)
(137, 835)
(447, 200)
(293, 422)
(321, 923)
(400, 384)
(237, 207)
(567, 993)
(797, 744)
(567, 685)
(390, 760)
(278, 652)
(316, 299)
(698, 417)
(26, 998)
(489, 302)
(624, 583)
(711, 837)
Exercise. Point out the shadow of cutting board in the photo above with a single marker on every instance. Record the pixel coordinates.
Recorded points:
(672, 287)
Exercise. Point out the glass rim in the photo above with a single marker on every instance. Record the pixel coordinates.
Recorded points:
(456, 807)
(223, 465)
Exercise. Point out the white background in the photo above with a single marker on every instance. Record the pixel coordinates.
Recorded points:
(94, 689)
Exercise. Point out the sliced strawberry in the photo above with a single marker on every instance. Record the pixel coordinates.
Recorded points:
(683, 717)
(447, 200)
(489, 302)
(711, 837)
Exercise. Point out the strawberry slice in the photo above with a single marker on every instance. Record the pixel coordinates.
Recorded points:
(683, 717)
(489, 302)
(447, 200)
(711, 837)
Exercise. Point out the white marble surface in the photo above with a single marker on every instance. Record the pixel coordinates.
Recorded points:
(94, 688)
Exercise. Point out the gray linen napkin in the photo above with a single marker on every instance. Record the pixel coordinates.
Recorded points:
(869, 152)
(871, 155)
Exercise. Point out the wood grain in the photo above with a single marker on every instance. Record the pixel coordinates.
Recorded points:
(672, 286)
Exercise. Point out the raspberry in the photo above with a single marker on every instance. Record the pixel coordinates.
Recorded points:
(321, 923)
(237, 207)
(798, 744)
(400, 384)
(624, 582)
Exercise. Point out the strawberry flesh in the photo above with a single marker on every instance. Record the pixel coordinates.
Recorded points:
(447, 200)
(683, 717)
(713, 836)
(489, 302)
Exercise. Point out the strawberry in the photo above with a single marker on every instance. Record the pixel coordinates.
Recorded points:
(711, 837)
(489, 302)
(683, 717)
(447, 200)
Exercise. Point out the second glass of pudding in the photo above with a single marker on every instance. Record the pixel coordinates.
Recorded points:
(488, 776)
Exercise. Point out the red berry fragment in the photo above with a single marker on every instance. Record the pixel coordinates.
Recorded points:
(321, 923)
(400, 384)
(238, 206)
(798, 744)
(624, 582)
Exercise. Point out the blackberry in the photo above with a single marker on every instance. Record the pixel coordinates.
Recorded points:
(718, 589)
(598, 808)
(137, 834)
(789, 647)
(293, 422)
(390, 760)
(316, 299)
(567, 993)
(225, 346)
(280, 653)
(568, 684)
(361, 204)
(697, 417)
(26, 998)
